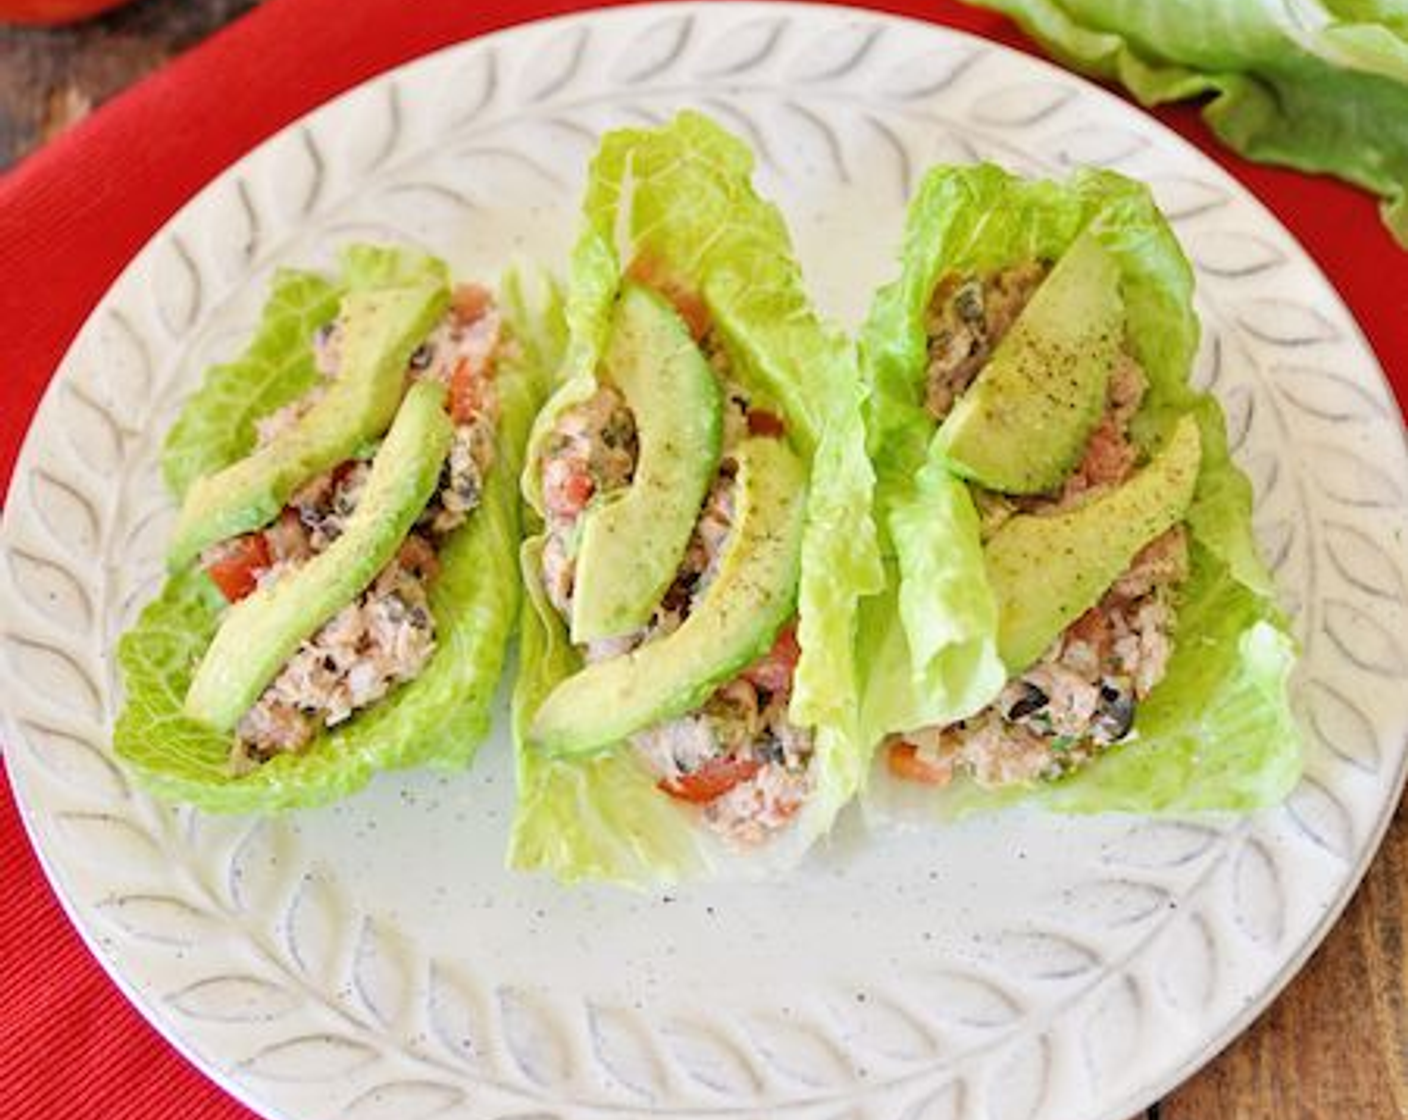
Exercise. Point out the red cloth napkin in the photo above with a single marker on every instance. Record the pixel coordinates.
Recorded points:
(71, 217)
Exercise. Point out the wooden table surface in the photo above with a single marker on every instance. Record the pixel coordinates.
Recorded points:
(1333, 1047)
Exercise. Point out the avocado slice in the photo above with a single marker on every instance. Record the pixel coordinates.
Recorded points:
(632, 540)
(752, 596)
(1046, 571)
(381, 329)
(1022, 425)
(260, 633)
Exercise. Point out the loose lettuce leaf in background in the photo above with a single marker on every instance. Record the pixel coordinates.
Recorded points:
(981, 218)
(1316, 86)
(437, 719)
(689, 205)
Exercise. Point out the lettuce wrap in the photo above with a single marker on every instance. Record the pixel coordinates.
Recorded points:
(438, 717)
(1216, 732)
(684, 196)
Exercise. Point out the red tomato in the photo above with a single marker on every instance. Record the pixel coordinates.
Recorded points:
(468, 301)
(1093, 628)
(714, 779)
(906, 762)
(45, 12)
(238, 565)
(418, 557)
(466, 398)
(648, 271)
(773, 671)
(764, 423)
(567, 487)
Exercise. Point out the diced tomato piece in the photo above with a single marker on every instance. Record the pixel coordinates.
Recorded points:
(714, 779)
(649, 272)
(773, 671)
(1109, 458)
(764, 423)
(342, 470)
(1092, 628)
(469, 301)
(906, 762)
(567, 487)
(236, 570)
(418, 557)
(466, 392)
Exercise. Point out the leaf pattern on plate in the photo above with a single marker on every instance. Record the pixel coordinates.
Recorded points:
(966, 1000)
(1187, 965)
(51, 588)
(1341, 726)
(380, 973)
(1156, 845)
(161, 918)
(534, 1039)
(1258, 894)
(75, 761)
(405, 1100)
(1017, 1087)
(710, 1059)
(70, 515)
(314, 1057)
(177, 291)
(1319, 814)
(799, 1051)
(1035, 955)
(1112, 1035)
(455, 1015)
(1023, 105)
(949, 1102)
(655, 50)
(234, 999)
(874, 1025)
(622, 1044)
(93, 433)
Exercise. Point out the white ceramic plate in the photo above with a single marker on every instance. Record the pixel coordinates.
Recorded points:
(373, 959)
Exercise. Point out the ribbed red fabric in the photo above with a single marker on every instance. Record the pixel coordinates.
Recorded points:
(71, 217)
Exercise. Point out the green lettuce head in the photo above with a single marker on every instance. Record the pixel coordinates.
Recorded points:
(684, 194)
(1320, 85)
(1217, 732)
(440, 717)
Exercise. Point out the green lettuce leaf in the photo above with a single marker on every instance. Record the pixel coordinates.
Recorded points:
(931, 644)
(598, 818)
(216, 426)
(438, 719)
(1316, 86)
(685, 193)
(1216, 734)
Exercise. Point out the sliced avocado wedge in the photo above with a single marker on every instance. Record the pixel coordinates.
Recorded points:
(260, 633)
(1046, 571)
(752, 596)
(1023, 424)
(381, 329)
(633, 540)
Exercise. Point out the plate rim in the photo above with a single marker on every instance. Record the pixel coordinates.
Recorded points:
(1213, 1045)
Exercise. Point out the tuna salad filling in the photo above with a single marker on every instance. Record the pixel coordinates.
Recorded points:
(1081, 696)
(738, 757)
(387, 634)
